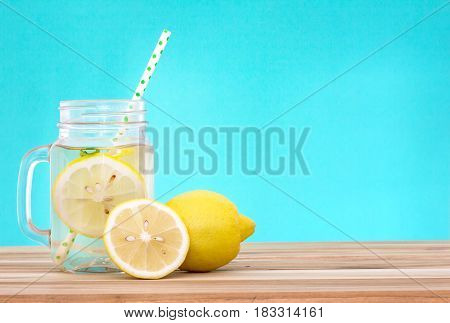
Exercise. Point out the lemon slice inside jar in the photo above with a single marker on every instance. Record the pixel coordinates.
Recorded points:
(146, 239)
(88, 189)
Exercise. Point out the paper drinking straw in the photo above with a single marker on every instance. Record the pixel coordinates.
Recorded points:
(65, 246)
(152, 62)
(147, 74)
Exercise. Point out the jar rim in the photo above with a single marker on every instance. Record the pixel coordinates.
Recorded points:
(82, 104)
(102, 113)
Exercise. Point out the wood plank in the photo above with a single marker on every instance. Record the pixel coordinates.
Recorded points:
(263, 272)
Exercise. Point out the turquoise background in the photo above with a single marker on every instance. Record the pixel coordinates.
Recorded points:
(378, 150)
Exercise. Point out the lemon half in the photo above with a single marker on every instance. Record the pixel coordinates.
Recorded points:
(146, 239)
(87, 190)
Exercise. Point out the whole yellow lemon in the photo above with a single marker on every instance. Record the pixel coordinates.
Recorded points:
(213, 224)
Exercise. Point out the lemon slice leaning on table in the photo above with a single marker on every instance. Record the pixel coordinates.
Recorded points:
(87, 190)
(146, 239)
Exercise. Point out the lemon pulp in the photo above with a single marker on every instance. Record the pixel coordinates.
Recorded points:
(146, 239)
(88, 189)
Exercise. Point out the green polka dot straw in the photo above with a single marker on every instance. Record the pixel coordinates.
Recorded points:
(64, 248)
(147, 74)
(153, 61)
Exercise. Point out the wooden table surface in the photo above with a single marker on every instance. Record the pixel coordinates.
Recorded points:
(263, 272)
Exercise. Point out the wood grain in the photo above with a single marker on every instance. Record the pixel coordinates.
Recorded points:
(263, 272)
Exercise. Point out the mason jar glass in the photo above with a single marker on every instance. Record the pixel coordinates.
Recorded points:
(101, 158)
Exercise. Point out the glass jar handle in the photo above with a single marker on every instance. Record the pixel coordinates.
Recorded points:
(29, 161)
